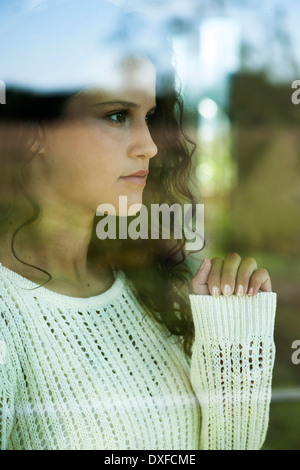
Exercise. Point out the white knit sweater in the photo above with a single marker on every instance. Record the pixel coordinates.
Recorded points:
(100, 373)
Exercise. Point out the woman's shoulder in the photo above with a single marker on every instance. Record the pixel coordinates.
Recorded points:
(10, 297)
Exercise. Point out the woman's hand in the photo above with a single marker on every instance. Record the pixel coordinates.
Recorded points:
(234, 275)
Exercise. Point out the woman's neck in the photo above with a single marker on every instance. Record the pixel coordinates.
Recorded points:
(58, 244)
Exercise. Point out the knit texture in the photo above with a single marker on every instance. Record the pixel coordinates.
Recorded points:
(231, 368)
(101, 373)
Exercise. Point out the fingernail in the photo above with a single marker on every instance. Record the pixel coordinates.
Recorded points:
(250, 292)
(240, 290)
(215, 291)
(202, 264)
(227, 290)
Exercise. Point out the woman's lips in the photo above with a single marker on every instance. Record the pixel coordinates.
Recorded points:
(138, 178)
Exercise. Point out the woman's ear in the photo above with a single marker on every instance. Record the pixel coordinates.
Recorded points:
(37, 145)
(34, 138)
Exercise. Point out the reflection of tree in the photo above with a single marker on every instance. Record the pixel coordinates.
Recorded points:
(267, 39)
(267, 144)
(274, 46)
(280, 38)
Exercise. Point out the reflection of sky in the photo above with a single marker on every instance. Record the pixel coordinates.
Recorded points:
(271, 31)
(219, 52)
(40, 47)
(268, 31)
(65, 44)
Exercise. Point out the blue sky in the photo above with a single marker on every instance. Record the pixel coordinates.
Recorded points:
(268, 27)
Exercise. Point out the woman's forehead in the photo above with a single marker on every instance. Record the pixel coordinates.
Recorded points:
(132, 80)
(133, 73)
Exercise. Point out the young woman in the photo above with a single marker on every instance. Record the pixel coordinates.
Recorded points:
(102, 347)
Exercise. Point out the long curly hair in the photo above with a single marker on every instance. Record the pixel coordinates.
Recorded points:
(157, 268)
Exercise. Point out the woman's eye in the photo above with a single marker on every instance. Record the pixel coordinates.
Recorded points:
(118, 117)
(149, 118)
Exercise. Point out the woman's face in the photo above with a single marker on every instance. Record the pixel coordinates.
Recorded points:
(89, 155)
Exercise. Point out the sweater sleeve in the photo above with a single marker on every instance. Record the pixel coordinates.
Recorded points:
(7, 385)
(231, 368)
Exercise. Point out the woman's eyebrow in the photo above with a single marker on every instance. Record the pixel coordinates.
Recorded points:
(127, 104)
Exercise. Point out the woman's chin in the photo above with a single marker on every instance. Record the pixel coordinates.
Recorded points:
(134, 208)
(126, 206)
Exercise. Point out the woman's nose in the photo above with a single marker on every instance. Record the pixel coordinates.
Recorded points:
(142, 144)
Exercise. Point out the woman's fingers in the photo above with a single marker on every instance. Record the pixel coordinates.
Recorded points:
(260, 280)
(229, 273)
(246, 269)
(214, 279)
(231, 276)
(199, 281)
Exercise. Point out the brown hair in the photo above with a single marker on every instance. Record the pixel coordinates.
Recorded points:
(156, 268)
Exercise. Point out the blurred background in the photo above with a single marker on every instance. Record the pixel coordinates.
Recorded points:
(236, 63)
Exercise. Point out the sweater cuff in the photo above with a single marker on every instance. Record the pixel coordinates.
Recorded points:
(233, 318)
